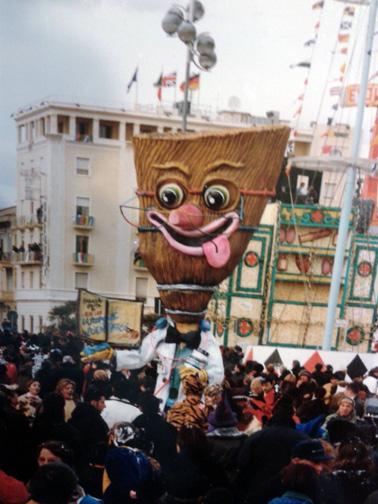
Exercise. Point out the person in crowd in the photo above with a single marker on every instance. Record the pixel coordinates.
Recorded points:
(12, 491)
(120, 407)
(161, 434)
(371, 382)
(300, 484)
(266, 452)
(53, 483)
(352, 390)
(345, 411)
(66, 388)
(87, 420)
(212, 397)
(224, 438)
(50, 424)
(353, 473)
(191, 410)
(54, 451)
(193, 471)
(296, 368)
(30, 402)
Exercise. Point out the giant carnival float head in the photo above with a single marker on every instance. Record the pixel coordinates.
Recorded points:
(202, 195)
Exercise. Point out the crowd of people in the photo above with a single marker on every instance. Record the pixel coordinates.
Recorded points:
(85, 433)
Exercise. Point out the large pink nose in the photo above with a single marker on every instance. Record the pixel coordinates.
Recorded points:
(186, 217)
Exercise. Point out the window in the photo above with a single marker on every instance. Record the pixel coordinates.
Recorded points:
(21, 133)
(31, 280)
(22, 322)
(82, 206)
(31, 324)
(22, 280)
(84, 129)
(63, 124)
(32, 130)
(158, 306)
(82, 166)
(329, 190)
(141, 289)
(40, 323)
(9, 278)
(109, 129)
(147, 128)
(81, 280)
(129, 131)
(42, 126)
(82, 244)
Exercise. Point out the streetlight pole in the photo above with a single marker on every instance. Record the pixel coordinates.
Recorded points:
(187, 73)
(350, 184)
(180, 21)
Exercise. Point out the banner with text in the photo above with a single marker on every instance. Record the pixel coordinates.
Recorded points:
(116, 321)
(351, 95)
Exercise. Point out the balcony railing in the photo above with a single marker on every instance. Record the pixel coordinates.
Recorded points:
(84, 138)
(5, 256)
(29, 258)
(84, 221)
(28, 221)
(81, 259)
(6, 296)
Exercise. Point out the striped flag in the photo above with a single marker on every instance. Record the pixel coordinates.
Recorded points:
(193, 83)
(169, 80)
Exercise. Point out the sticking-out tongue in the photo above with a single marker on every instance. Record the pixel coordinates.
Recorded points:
(217, 251)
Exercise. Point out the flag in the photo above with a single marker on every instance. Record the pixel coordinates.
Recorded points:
(349, 11)
(343, 68)
(317, 26)
(297, 112)
(375, 74)
(300, 97)
(335, 106)
(305, 82)
(134, 78)
(344, 50)
(158, 84)
(193, 83)
(345, 25)
(318, 5)
(343, 38)
(335, 91)
(310, 42)
(169, 80)
(326, 149)
(304, 64)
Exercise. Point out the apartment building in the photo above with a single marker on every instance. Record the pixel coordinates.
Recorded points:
(7, 271)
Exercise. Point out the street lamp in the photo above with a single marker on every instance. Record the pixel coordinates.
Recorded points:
(200, 48)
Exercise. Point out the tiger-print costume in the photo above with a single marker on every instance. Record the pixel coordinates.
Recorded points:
(190, 411)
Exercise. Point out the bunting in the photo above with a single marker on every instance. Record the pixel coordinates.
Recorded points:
(349, 11)
(304, 64)
(343, 38)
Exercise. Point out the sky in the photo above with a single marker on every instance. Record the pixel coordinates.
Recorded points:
(81, 50)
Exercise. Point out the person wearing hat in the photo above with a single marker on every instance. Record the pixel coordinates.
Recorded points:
(345, 411)
(225, 439)
(310, 452)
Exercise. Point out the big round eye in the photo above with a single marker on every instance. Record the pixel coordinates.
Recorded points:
(170, 195)
(216, 197)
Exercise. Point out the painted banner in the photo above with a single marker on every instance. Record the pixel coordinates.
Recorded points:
(116, 321)
(92, 315)
(351, 95)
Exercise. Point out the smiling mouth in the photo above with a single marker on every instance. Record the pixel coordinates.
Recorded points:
(211, 241)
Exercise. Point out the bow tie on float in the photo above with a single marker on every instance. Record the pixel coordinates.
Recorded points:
(190, 339)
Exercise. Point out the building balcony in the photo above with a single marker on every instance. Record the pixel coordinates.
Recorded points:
(29, 258)
(6, 296)
(28, 221)
(5, 258)
(83, 222)
(84, 138)
(81, 259)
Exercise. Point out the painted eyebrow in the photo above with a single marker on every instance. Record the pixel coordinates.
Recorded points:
(219, 163)
(172, 165)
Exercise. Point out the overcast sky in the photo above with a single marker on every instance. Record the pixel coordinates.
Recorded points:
(88, 49)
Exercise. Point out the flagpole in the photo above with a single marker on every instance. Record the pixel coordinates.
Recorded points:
(136, 91)
(350, 184)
